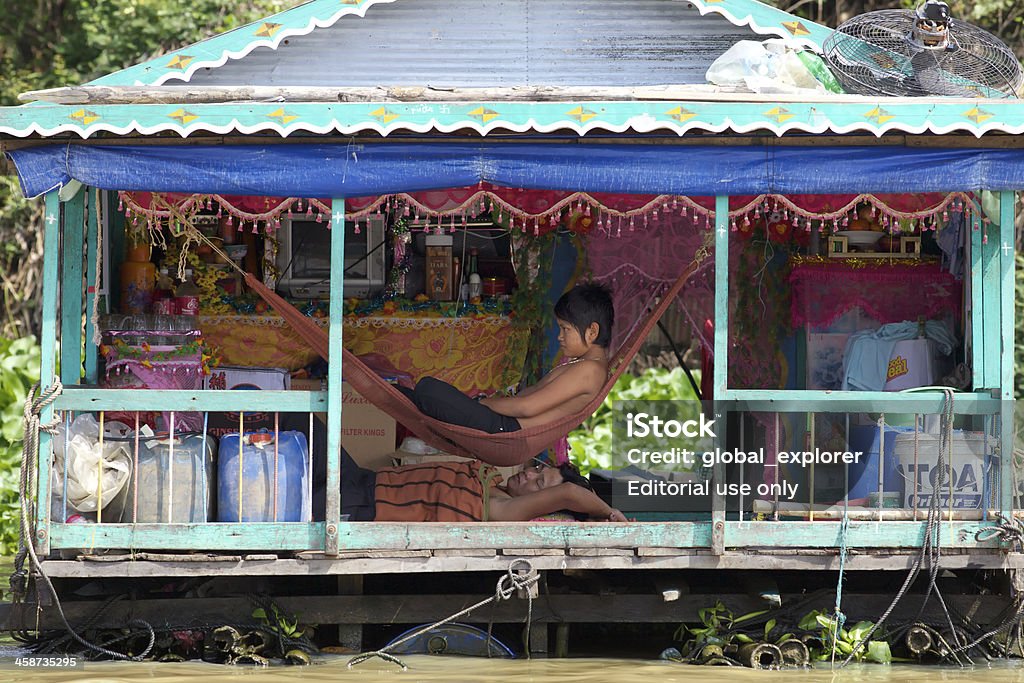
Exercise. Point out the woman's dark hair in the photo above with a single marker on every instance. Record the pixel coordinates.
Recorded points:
(585, 304)
(572, 475)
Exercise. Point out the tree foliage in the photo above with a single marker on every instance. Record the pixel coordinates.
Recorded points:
(1000, 17)
(50, 43)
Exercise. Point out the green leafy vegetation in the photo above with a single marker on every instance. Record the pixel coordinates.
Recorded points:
(722, 634)
(591, 442)
(834, 640)
(19, 370)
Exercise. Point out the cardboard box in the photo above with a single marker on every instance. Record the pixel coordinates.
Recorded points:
(439, 267)
(367, 432)
(234, 378)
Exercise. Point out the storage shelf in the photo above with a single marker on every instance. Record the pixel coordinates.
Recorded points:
(211, 401)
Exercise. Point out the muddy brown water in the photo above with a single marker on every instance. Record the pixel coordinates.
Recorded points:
(427, 669)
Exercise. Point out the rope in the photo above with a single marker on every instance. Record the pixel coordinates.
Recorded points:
(27, 483)
(1009, 532)
(26, 541)
(930, 548)
(507, 585)
(840, 618)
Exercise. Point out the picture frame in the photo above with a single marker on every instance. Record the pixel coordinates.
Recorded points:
(910, 246)
(838, 246)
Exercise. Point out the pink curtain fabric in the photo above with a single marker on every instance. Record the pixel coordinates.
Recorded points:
(822, 292)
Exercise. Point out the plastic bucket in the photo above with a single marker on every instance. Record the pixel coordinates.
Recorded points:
(966, 469)
(246, 493)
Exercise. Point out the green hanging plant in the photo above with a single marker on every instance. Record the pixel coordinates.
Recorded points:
(531, 312)
(759, 315)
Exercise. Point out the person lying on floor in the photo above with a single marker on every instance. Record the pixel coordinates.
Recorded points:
(468, 491)
(585, 316)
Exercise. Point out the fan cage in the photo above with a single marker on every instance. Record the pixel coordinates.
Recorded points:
(873, 54)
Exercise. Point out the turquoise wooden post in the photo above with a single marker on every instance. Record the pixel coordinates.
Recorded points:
(721, 378)
(334, 377)
(1007, 235)
(992, 305)
(71, 289)
(91, 227)
(721, 295)
(977, 304)
(48, 334)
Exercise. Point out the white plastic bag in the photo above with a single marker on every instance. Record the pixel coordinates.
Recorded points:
(93, 480)
(770, 66)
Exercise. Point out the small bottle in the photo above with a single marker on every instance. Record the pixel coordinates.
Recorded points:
(475, 285)
(163, 296)
(456, 278)
(186, 297)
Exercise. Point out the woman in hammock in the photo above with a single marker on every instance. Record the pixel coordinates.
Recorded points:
(462, 492)
(585, 316)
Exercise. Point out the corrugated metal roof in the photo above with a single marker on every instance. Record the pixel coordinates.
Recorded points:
(543, 33)
(473, 44)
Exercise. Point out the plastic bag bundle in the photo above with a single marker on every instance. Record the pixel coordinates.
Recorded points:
(95, 475)
(770, 66)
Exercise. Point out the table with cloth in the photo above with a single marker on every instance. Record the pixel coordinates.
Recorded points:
(469, 352)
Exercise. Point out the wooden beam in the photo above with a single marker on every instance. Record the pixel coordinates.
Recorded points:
(645, 559)
(417, 609)
(95, 95)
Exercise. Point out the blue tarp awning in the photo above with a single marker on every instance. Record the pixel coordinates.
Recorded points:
(354, 170)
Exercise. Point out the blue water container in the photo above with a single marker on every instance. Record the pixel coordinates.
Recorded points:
(864, 473)
(257, 501)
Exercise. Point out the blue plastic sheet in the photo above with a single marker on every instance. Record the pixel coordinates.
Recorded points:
(353, 170)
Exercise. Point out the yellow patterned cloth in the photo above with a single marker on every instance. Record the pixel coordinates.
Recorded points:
(469, 353)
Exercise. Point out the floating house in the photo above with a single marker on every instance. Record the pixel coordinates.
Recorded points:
(591, 120)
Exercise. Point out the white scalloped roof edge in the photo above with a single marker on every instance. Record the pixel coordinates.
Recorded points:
(749, 22)
(638, 124)
(272, 43)
(186, 75)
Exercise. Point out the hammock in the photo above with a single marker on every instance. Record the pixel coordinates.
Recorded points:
(502, 449)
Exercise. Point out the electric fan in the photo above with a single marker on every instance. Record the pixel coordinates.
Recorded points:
(921, 52)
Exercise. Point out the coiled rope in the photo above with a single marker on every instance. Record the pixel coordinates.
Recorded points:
(34, 406)
(509, 583)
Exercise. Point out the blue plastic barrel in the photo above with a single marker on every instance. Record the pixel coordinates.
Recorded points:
(864, 473)
(256, 502)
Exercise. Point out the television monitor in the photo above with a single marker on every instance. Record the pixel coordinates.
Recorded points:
(303, 257)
